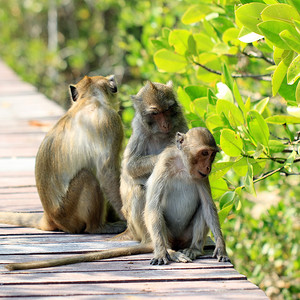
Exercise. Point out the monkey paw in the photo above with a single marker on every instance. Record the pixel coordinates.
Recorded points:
(192, 253)
(163, 260)
(179, 256)
(221, 255)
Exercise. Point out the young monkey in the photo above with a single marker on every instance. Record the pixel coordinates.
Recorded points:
(78, 164)
(179, 209)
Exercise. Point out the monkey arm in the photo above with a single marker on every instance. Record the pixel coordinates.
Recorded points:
(140, 166)
(211, 217)
(154, 218)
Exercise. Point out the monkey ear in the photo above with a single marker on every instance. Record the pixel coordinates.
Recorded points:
(179, 140)
(73, 92)
(170, 84)
(112, 83)
(151, 85)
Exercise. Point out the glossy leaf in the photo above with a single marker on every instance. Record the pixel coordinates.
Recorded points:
(179, 39)
(258, 127)
(248, 36)
(219, 169)
(195, 13)
(231, 143)
(225, 107)
(249, 186)
(249, 15)
(214, 121)
(281, 12)
(224, 92)
(241, 167)
(283, 119)
(203, 41)
(218, 187)
(293, 72)
(280, 73)
(226, 199)
(262, 104)
(196, 91)
(169, 61)
(223, 213)
(291, 40)
(294, 111)
(271, 30)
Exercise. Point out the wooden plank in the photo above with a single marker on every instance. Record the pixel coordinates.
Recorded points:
(239, 289)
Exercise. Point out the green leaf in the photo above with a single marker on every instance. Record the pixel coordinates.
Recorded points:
(203, 41)
(183, 98)
(231, 143)
(219, 169)
(179, 39)
(230, 36)
(272, 29)
(241, 167)
(249, 186)
(195, 13)
(298, 93)
(196, 91)
(276, 146)
(225, 107)
(296, 4)
(279, 54)
(168, 61)
(227, 76)
(293, 72)
(218, 187)
(214, 121)
(226, 199)
(262, 104)
(291, 40)
(223, 92)
(249, 15)
(280, 72)
(200, 106)
(238, 97)
(280, 12)
(282, 119)
(258, 127)
(223, 213)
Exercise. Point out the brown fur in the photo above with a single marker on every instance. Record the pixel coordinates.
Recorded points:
(78, 162)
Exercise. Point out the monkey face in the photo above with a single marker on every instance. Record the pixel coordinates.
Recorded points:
(200, 164)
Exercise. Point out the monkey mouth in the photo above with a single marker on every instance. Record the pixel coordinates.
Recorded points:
(202, 174)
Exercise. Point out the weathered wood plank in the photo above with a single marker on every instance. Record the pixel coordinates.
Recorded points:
(238, 289)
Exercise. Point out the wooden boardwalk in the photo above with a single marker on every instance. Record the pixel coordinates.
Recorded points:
(25, 117)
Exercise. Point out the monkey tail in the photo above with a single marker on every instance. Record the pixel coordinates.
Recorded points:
(21, 219)
(92, 256)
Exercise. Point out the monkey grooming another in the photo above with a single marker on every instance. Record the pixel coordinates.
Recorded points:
(178, 211)
(158, 117)
(78, 164)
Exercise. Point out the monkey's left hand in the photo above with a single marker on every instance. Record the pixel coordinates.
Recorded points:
(170, 255)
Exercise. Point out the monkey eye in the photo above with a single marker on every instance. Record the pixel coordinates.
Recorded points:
(154, 113)
(205, 153)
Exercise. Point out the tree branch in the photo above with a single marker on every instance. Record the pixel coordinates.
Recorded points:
(264, 77)
(253, 54)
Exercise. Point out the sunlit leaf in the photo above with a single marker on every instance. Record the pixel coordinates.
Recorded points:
(248, 36)
(231, 143)
(258, 127)
(241, 167)
(293, 72)
(214, 121)
(294, 111)
(195, 13)
(168, 61)
(196, 91)
(203, 41)
(223, 213)
(179, 38)
(224, 92)
(249, 15)
(225, 107)
(218, 187)
(249, 186)
(291, 40)
(283, 119)
(226, 199)
(262, 104)
(281, 12)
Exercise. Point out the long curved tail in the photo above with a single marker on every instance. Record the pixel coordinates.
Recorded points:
(92, 256)
(21, 219)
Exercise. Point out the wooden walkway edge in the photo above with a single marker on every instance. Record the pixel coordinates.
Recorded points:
(25, 117)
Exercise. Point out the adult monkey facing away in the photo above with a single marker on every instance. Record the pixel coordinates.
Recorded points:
(77, 164)
(179, 208)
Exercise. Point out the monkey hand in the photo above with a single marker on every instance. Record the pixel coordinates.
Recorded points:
(192, 253)
(220, 251)
(170, 255)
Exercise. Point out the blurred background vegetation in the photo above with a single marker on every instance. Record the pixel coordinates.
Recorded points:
(54, 43)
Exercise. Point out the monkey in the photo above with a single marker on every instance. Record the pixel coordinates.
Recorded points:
(178, 211)
(77, 168)
(179, 207)
(158, 116)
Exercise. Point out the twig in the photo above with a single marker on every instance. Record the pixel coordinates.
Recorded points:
(253, 54)
(264, 77)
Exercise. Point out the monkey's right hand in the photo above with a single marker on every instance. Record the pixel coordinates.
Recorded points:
(170, 255)
(162, 260)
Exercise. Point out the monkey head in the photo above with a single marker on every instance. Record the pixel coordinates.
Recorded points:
(199, 150)
(103, 88)
(156, 103)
